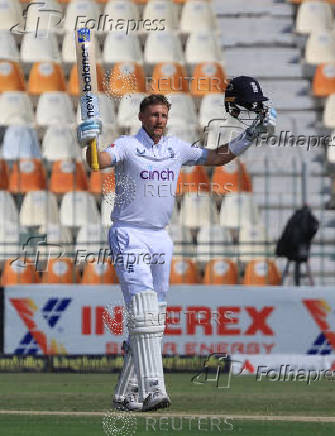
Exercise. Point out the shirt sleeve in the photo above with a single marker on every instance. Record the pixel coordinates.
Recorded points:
(191, 155)
(117, 151)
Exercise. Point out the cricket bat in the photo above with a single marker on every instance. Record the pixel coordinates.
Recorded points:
(87, 80)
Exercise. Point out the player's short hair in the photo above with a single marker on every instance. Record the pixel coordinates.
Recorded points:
(154, 99)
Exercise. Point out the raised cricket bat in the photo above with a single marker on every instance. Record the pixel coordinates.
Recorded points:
(87, 80)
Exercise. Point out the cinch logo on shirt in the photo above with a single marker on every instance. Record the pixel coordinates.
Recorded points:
(157, 175)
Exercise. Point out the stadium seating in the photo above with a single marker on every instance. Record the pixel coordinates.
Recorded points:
(107, 205)
(221, 272)
(252, 242)
(39, 208)
(9, 213)
(69, 49)
(11, 77)
(238, 209)
(193, 179)
(10, 14)
(9, 240)
(90, 239)
(163, 47)
(78, 208)
(220, 132)
(161, 14)
(99, 273)
(212, 107)
(59, 143)
(313, 16)
(61, 271)
(182, 240)
(39, 48)
(97, 180)
(68, 176)
(168, 78)
(107, 111)
(184, 272)
(120, 47)
(120, 9)
(16, 108)
(207, 78)
(128, 110)
(19, 271)
(20, 142)
(329, 112)
(199, 12)
(213, 241)
(187, 133)
(125, 78)
(324, 80)
(54, 108)
(78, 12)
(320, 47)
(198, 210)
(44, 16)
(182, 109)
(232, 177)
(8, 48)
(45, 77)
(73, 86)
(56, 233)
(4, 175)
(27, 175)
(261, 272)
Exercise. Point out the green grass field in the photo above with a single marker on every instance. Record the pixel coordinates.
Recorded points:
(92, 393)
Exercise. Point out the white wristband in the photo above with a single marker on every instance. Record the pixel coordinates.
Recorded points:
(238, 145)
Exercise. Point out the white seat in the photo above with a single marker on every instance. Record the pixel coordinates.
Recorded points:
(283, 62)
(9, 213)
(42, 47)
(220, 132)
(80, 12)
(46, 15)
(198, 210)
(238, 209)
(182, 109)
(212, 107)
(157, 10)
(252, 242)
(163, 47)
(120, 47)
(20, 142)
(78, 208)
(120, 9)
(11, 15)
(313, 16)
(297, 95)
(329, 112)
(60, 143)
(187, 133)
(92, 238)
(56, 233)
(69, 49)
(9, 240)
(182, 240)
(128, 110)
(106, 210)
(320, 47)
(202, 47)
(214, 241)
(8, 47)
(107, 111)
(39, 208)
(255, 7)
(16, 108)
(54, 108)
(197, 14)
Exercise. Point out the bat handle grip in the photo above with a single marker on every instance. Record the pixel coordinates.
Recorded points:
(94, 155)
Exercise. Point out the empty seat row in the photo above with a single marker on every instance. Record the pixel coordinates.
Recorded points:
(259, 272)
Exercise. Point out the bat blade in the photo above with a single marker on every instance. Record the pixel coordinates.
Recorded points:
(87, 82)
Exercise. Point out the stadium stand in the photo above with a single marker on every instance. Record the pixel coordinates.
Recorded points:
(221, 272)
(8, 47)
(184, 271)
(11, 77)
(16, 108)
(39, 208)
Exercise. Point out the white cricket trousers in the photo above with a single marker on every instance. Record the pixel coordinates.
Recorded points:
(142, 259)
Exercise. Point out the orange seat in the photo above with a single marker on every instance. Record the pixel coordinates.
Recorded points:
(73, 87)
(324, 80)
(27, 175)
(208, 78)
(193, 179)
(221, 272)
(168, 78)
(61, 270)
(68, 176)
(262, 272)
(99, 273)
(231, 178)
(19, 272)
(45, 77)
(98, 179)
(4, 175)
(11, 77)
(126, 78)
(184, 271)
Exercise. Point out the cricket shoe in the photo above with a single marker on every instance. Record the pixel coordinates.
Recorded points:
(129, 404)
(156, 400)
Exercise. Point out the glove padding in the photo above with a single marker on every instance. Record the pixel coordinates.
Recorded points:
(87, 131)
(265, 125)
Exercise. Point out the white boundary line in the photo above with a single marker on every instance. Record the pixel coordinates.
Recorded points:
(177, 414)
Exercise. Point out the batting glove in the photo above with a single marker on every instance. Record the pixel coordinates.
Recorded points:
(267, 125)
(87, 131)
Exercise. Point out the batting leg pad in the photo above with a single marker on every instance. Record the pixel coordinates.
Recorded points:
(145, 332)
(127, 382)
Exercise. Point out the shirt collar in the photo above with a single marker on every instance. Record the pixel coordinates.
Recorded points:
(145, 139)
